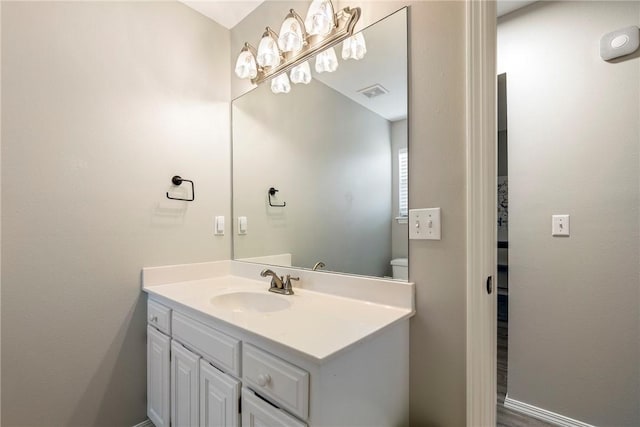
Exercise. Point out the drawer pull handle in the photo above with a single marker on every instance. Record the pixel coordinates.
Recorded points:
(264, 379)
(154, 319)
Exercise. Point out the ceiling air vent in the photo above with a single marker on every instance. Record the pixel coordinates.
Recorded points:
(373, 91)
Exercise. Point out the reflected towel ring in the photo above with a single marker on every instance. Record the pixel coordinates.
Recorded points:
(177, 180)
(272, 192)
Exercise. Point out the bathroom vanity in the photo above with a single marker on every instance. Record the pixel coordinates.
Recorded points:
(223, 351)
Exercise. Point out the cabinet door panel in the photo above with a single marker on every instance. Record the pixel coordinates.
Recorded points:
(219, 398)
(158, 373)
(258, 413)
(184, 386)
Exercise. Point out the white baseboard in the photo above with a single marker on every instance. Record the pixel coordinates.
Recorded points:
(542, 414)
(145, 423)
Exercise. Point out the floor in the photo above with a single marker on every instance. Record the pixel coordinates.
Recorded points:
(507, 417)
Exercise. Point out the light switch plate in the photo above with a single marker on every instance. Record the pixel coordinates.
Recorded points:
(560, 225)
(424, 224)
(218, 228)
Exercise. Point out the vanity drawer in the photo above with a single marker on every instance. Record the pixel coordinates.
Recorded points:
(268, 375)
(159, 316)
(257, 412)
(220, 349)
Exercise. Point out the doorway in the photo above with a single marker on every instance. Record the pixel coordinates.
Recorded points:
(567, 349)
(504, 417)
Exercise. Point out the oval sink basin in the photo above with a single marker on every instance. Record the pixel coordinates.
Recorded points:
(251, 301)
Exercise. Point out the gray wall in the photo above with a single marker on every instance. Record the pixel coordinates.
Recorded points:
(332, 166)
(102, 103)
(399, 232)
(574, 137)
(0, 218)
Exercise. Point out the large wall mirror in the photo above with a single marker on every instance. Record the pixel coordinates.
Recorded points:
(336, 152)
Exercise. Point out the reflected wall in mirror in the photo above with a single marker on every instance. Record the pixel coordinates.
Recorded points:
(337, 158)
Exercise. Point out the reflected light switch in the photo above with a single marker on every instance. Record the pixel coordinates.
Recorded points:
(242, 225)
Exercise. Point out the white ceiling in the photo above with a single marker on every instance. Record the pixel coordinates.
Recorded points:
(229, 12)
(508, 6)
(225, 12)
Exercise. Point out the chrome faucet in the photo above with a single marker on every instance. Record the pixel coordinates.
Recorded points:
(279, 284)
(318, 265)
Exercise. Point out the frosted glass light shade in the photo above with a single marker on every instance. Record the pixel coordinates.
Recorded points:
(354, 47)
(280, 84)
(268, 53)
(301, 73)
(246, 67)
(327, 61)
(319, 19)
(290, 39)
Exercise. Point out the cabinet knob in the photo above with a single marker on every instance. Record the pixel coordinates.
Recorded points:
(153, 319)
(264, 379)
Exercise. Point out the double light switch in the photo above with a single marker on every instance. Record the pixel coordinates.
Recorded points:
(424, 224)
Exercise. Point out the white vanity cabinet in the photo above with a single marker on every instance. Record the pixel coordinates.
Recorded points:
(186, 373)
(218, 372)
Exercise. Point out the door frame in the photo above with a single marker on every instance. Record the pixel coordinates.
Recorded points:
(481, 180)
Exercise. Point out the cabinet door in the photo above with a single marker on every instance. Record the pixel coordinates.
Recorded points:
(258, 413)
(219, 398)
(158, 372)
(184, 386)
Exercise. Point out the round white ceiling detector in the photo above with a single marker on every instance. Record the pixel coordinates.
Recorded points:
(619, 41)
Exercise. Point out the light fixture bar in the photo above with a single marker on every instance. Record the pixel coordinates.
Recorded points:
(346, 20)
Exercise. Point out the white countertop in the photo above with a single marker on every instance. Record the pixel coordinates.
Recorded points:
(316, 324)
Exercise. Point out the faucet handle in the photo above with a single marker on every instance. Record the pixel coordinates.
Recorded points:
(287, 282)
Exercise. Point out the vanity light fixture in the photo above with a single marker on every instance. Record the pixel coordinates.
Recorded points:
(327, 61)
(292, 33)
(301, 73)
(246, 67)
(354, 47)
(297, 43)
(320, 18)
(268, 53)
(280, 84)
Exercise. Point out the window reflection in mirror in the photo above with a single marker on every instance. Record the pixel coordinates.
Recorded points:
(338, 158)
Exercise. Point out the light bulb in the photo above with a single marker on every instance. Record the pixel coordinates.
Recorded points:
(290, 39)
(327, 61)
(246, 67)
(301, 73)
(268, 53)
(354, 47)
(280, 84)
(320, 17)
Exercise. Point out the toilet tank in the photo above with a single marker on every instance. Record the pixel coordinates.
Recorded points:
(400, 268)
